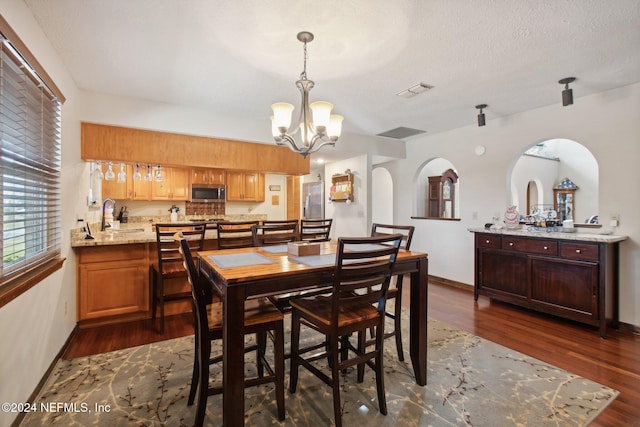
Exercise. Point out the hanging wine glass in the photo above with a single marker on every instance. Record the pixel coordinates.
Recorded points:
(148, 176)
(158, 176)
(122, 175)
(97, 171)
(137, 175)
(110, 174)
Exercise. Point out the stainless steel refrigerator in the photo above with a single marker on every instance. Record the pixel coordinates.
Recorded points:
(313, 200)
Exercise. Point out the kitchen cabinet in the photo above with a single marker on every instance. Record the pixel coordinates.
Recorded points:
(245, 186)
(112, 188)
(174, 186)
(112, 284)
(573, 279)
(207, 176)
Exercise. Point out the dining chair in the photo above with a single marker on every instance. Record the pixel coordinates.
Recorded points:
(279, 221)
(169, 265)
(233, 235)
(355, 304)
(395, 290)
(260, 317)
(275, 234)
(315, 230)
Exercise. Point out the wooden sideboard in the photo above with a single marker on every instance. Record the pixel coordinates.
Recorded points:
(571, 278)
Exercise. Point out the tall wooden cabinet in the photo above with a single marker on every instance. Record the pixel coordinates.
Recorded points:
(569, 278)
(441, 195)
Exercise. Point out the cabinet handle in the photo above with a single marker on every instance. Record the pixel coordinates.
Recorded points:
(578, 251)
(545, 248)
(510, 243)
(487, 242)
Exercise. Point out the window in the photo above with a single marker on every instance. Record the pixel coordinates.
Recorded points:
(29, 167)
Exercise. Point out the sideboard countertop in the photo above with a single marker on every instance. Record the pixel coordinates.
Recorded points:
(585, 237)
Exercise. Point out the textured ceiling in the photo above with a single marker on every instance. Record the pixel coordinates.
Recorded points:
(237, 57)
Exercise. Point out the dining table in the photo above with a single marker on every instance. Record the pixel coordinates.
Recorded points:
(245, 273)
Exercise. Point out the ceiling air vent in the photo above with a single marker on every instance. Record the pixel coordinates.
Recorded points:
(401, 133)
(414, 90)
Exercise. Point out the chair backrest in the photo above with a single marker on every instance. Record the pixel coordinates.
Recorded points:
(386, 229)
(279, 221)
(169, 258)
(233, 235)
(315, 230)
(199, 289)
(362, 263)
(275, 234)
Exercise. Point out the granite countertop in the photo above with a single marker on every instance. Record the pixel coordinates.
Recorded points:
(586, 237)
(126, 234)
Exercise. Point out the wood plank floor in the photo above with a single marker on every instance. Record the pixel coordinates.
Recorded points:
(614, 361)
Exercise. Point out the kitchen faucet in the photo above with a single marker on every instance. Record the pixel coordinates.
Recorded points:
(104, 206)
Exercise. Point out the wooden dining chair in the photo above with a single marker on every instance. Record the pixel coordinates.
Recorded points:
(233, 235)
(260, 317)
(169, 265)
(356, 303)
(274, 234)
(315, 230)
(395, 289)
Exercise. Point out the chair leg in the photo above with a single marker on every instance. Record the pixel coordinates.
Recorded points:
(382, 400)
(279, 368)
(261, 343)
(397, 319)
(195, 375)
(203, 386)
(335, 381)
(154, 294)
(161, 297)
(293, 361)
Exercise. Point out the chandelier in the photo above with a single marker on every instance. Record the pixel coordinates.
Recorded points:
(317, 126)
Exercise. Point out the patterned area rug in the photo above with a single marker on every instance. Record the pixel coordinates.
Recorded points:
(471, 382)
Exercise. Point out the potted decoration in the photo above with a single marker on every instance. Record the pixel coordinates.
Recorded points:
(174, 213)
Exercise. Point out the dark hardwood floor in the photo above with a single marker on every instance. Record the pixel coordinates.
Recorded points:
(614, 361)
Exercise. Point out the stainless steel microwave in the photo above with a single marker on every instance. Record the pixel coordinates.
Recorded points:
(205, 193)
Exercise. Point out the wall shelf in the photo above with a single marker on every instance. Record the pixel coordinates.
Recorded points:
(341, 188)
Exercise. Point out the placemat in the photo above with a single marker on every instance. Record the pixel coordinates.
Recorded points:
(316, 260)
(240, 260)
(276, 249)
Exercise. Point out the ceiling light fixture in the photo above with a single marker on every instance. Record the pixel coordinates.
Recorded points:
(317, 126)
(481, 121)
(567, 94)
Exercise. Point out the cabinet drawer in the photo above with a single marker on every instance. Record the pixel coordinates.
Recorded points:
(579, 250)
(533, 246)
(488, 241)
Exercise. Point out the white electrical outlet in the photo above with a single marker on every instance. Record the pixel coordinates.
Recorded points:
(614, 219)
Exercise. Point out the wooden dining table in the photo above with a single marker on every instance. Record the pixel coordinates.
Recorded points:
(241, 274)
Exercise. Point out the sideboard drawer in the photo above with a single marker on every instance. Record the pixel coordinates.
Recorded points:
(579, 250)
(534, 246)
(488, 241)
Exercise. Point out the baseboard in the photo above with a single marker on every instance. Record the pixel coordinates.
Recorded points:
(16, 422)
(448, 282)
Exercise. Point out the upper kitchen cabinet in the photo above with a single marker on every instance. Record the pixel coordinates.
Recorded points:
(207, 176)
(114, 188)
(245, 187)
(174, 185)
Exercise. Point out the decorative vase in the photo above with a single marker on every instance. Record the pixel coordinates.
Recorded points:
(511, 218)
(174, 216)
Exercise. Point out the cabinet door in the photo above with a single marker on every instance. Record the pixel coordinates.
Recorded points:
(162, 190)
(250, 186)
(502, 273)
(564, 286)
(235, 186)
(179, 184)
(200, 176)
(140, 190)
(116, 288)
(216, 176)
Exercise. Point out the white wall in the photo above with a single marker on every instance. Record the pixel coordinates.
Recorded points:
(606, 124)
(35, 325)
(381, 196)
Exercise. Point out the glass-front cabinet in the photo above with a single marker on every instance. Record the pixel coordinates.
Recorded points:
(564, 199)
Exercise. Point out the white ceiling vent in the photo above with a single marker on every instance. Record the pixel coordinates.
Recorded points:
(414, 90)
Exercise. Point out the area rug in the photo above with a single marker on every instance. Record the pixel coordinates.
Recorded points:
(470, 382)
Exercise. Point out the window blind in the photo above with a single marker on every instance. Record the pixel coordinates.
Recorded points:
(30, 118)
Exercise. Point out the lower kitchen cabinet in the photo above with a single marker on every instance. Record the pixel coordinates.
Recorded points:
(573, 279)
(112, 283)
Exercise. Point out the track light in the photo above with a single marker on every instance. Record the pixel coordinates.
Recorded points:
(567, 94)
(481, 121)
